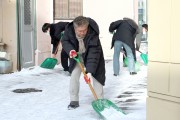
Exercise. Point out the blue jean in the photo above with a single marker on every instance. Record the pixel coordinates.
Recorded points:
(117, 48)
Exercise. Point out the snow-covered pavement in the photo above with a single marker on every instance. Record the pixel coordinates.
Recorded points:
(51, 99)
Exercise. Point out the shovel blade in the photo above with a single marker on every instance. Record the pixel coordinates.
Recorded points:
(49, 63)
(144, 58)
(126, 61)
(107, 110)
(137, 65)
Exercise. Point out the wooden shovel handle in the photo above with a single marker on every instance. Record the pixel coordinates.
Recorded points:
(90, 86)
(139, 51)
(85, 75)
(57, 48)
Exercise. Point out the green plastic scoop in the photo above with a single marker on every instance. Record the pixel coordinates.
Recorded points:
(144, 57)
(49, 63)
(105, 108)
(137, 65)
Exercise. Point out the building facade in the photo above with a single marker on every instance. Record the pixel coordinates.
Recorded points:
(22, 38)
(163, 102)
(21, 23)
(20, 31)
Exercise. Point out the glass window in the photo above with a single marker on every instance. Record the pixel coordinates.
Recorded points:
(142, 19)
(142, 12)
(67, 9)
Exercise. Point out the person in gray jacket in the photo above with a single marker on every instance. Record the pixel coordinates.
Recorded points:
(82, 36)
(126, 31)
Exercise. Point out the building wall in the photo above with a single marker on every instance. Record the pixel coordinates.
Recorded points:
(105, 12)
(1, 21)
(163, 102)
(9, 29)
(44, 14)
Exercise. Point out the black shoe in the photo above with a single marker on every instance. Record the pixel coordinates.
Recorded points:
(66, 69)
(73, 105)
(114, 74)
(133, 73)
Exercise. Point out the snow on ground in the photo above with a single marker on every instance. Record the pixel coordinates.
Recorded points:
(127, 91)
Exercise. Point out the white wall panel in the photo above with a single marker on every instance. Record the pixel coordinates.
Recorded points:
(159, 109)
(175, 43)
(159, 32)
(175, 80)
(158, 77)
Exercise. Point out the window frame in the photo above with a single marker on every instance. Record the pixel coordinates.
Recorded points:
(68, 11)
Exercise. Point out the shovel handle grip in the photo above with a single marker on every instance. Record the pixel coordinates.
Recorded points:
(87, 79)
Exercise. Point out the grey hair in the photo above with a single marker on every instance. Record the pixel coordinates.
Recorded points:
(80, 21)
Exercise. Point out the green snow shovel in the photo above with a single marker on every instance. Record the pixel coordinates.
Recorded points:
(105, 108)
(125, 60)
(50, 63)
(144, 57)
(137, 65)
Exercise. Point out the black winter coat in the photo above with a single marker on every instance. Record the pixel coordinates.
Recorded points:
(126, 31)
(93, 56)
(55, 33)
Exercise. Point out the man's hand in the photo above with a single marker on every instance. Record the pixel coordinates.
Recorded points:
(72, 54)
(89, 75)
(88, 78)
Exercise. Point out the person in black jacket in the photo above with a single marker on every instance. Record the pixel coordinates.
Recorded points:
(126, 31)
(144, 32)
(56, 31)
(82, 36)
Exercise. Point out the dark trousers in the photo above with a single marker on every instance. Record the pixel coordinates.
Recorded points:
(64, 60)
